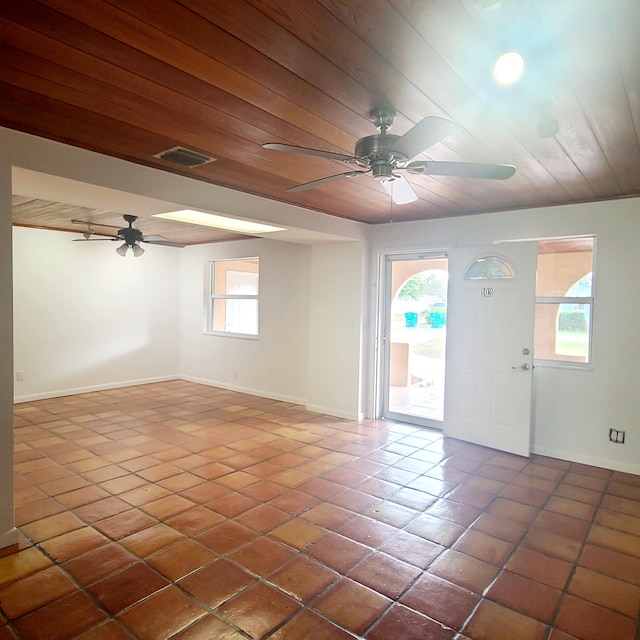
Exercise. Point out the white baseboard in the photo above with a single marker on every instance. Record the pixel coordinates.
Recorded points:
(58, 393)
(336, 413)
(594, 461)
(8, 538)
(261, 393)
(330, 411)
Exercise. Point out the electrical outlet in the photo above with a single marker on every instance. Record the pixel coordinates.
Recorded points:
(19, 376)
(616, 435)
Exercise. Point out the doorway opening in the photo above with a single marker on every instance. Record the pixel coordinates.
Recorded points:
(415, 339)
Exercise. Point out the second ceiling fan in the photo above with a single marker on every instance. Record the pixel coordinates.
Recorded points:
(130, 237)
(382, 155)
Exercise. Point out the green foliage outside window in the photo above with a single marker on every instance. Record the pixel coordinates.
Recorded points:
(422, 285)
(572, 321)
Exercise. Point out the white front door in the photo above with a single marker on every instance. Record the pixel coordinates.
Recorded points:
(491, 310)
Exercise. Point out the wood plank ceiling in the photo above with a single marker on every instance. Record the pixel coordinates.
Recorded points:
(131, 78)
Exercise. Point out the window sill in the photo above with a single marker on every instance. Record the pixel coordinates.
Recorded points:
(559, 364)
(228, 334)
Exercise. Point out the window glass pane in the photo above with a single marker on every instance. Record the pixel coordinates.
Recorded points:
(219, 315)
(490, 268)
(562, 332)
(235, 316)
(232, 297)
(564, 268)
(564, 306)
(544, 338)
(235, 277)
(241, 283)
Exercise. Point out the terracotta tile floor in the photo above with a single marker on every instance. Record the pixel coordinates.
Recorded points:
(175, 510)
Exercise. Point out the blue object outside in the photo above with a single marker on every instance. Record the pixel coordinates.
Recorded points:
(437, 319)
(410, 319)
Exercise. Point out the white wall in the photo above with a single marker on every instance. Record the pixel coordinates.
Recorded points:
(573, 409)
(86, 318)
(275, 364)
(337, 306)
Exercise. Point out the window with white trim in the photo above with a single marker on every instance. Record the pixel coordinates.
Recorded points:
(231, 305)
(564, 301)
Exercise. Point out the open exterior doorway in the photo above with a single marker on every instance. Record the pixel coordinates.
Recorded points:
(415, 338)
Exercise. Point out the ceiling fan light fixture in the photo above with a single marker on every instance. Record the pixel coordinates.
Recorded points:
(122, 249)
(508, 68)
(137, 250)
(399, 189)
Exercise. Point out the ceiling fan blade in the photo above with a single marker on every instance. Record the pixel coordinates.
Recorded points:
(93, 239)
(162, 241)
(90, 223)
(317, 183)
(400, 190)
(310, 152)
(423, 135)
(462, 169)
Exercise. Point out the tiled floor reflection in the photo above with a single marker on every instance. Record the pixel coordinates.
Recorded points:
(175, 510)
(418, 401)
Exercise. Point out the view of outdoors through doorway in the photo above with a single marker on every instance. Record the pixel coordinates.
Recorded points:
(417, 321)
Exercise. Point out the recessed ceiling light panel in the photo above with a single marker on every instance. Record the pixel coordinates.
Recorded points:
(216, 221)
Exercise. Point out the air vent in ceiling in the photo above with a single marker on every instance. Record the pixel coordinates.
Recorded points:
(184, 157)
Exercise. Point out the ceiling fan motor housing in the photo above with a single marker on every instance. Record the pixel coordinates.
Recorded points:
(130, 236)
(374, 151)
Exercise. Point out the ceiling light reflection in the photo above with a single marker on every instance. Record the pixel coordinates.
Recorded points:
(508, 68)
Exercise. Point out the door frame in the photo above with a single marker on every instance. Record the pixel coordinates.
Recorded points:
(383, 333)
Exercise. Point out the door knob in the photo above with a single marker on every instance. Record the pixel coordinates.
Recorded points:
(524, 367)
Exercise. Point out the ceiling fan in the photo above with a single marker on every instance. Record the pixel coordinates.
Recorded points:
(130, 237)
(384, 154)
